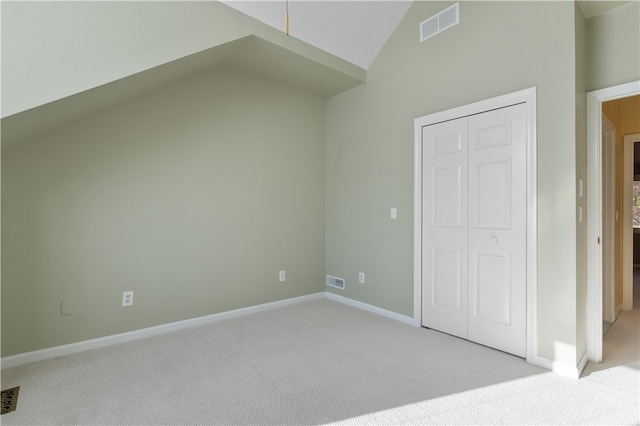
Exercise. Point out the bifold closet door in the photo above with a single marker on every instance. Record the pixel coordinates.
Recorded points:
(474, 228)
(444, 226)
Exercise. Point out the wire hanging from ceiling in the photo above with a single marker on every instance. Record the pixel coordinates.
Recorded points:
(286, 18)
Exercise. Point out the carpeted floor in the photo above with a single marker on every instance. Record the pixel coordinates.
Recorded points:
(322, 362)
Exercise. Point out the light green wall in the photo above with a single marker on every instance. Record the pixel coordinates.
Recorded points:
(51, 50)
(498, 47)
(614, 47)
(194, 196)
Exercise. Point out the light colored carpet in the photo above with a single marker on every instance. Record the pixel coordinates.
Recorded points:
(606, 325)
(322, 362)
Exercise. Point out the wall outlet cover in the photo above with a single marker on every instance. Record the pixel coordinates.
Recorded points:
(127, 298)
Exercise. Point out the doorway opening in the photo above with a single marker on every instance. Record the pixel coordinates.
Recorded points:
(596, 231)
(631, 288)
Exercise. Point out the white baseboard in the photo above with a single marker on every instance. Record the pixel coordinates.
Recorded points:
(374, 309)
(57, 351)
(562, 368)
(583, 363)
(54, 352)
(618, 310)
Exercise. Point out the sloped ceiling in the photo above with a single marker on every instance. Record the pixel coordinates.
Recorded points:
(250, 53)
(352, 30)
(110, 64)
(355, 30)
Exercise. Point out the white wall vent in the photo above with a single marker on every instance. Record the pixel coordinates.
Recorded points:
(335, 282)
(440, 22)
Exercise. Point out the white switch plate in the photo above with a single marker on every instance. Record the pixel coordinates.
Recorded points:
(66, 307)
(281, 276)
(580, 188)
(127, 298)
(394, 213)
(361, 277)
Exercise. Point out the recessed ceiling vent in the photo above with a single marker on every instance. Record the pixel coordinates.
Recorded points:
(335, 282)
(440, 22)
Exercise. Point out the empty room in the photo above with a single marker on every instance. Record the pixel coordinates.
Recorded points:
(319, 212)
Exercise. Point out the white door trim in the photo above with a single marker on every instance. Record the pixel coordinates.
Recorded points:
(527, 96)
(627, 224)
(594, 210)
(608, 220)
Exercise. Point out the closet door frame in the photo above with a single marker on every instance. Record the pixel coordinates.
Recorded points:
(527, 97)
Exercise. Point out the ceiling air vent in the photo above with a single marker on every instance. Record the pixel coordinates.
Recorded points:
(335, 282)
(440, 22)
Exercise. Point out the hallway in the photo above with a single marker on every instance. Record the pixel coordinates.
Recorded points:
(621, 341)
(621, 347)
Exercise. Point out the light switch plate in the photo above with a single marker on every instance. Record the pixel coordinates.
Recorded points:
(580, 188)
(66, 307)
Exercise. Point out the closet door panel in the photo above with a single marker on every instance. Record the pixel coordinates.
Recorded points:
(497, 229)
(444, 238)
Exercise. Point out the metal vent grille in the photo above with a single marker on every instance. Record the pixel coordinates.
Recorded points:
(440, 22)
(9, 400)
(335, 282)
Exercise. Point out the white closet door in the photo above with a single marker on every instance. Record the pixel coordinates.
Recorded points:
(445, 227)
(498, 229)
(474, 228)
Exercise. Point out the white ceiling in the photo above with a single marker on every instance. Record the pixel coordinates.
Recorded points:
(352, 30)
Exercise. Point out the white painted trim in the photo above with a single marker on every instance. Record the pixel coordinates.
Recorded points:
(527, 96)
(532, 225)
(594, 210)
(608, 219)
(374, 309)
(627, 230)
(562, 368)
(417, 221)
(40, 355)
(594, 228)
(582, 364)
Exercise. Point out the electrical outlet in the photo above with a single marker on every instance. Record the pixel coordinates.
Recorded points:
(394, 213)
(127, 298)
(281, 276)
(361, 277)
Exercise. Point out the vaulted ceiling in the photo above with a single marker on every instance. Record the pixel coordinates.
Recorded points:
(353, 30)
(128, 51)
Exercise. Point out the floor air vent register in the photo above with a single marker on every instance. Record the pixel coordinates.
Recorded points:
(335, 282)
(9, 399)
